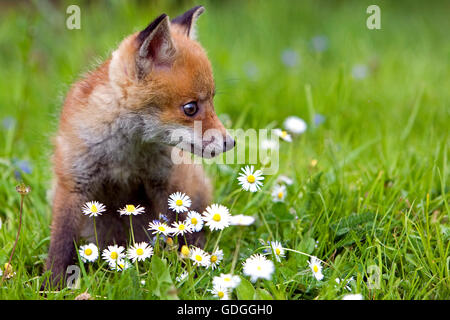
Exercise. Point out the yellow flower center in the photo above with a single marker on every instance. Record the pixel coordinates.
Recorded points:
(315, 268)
(251, 178)
(94, 209)
(179, 202)
(280, 195)
(277, 251)
(161, 228)
(114, 255)
(216, 217)
(213, 259)
(283, 134)
(88, 251)
(227, 279)
(139, 251)
(181, 227)
(185, 250)
(258, 268)
(220, 294)
(194, 221)
(121, 266)
(198, 257)
(130, 208)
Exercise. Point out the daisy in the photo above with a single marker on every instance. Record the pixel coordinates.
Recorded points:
(131, 210)
(195, 220)
(159, 228)
(267, 144)
(180, 228)
(181, 277)
(93, 209)
(227, 280)
(113, 253)
(119, 265)
(217, 217)
(295, 125)
(283, 135)
(277, 249)
(279, 193)
(200, 257)
(220, 291)
(215, 258)
(139, 252)
(179, 202)
(250, 180)
(241, 220)
(88, 252)
(316, 268)
(257, 266)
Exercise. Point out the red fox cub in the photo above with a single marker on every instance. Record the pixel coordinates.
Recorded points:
(115, 139)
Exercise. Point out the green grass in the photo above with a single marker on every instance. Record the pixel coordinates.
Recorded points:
(378, 195)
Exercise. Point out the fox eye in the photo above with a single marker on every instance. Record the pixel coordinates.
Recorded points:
(190, 108)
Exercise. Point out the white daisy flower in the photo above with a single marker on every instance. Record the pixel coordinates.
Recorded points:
(227, 280)
(285, 180)
(113, 253)
(279, 193)
(241, 220)
(215, 258)
(131, 210)
(159, 228)
(140, 252)
(277, 249)
(180, 228)
(185, 251)
(195, 220)
(93, 209)
(179, 202)
(220, 291)
(257, 266)
(182, 277)
(217, 217)
(119, 265)
(295, 125)
(316, 268)
(283, 135)
(200, 257)
(88, 252)
(249, 180)
(356, 296)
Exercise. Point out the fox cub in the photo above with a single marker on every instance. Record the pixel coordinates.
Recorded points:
(115, 139)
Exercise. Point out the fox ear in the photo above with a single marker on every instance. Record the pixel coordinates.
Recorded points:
(155, 46)
(187, 20)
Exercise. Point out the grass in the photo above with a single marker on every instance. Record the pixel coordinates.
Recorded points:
(377, 198)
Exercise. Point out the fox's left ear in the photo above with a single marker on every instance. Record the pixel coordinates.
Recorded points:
(155, 46)
(186, 22)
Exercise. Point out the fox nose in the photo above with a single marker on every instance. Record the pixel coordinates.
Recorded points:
(228, 143)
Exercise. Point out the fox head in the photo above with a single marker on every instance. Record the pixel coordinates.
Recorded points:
(163, 76)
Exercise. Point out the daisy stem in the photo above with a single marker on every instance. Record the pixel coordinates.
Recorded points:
(157, 244)
(236, 251)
